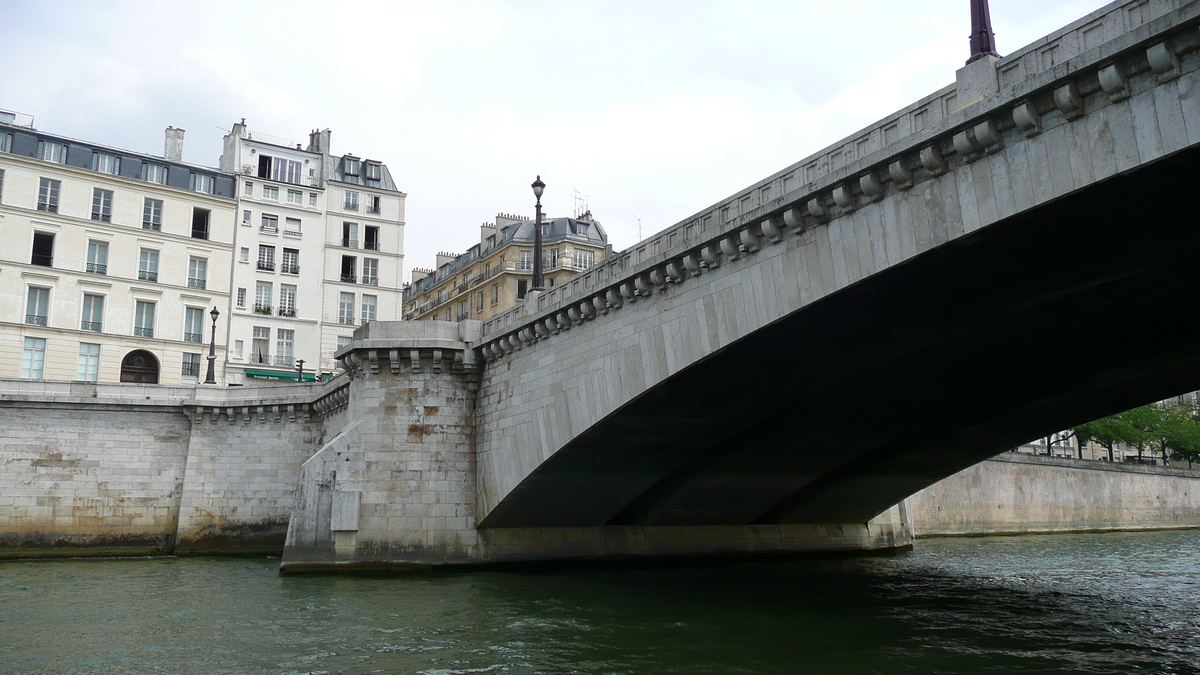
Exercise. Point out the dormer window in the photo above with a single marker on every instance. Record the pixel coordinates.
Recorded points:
(351, 167)
(374, 172)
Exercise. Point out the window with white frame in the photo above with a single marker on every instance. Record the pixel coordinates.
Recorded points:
(287, 300)
(203, 183)
(479, 302)
(351, 167)
(102, 205)
(37, 306)
(33, 358)
(197, 272)
(260, 346)
(584, 259)
(152, 214)
(370, 275)
(89, 362)
(374, 172)
(245, 217)
(270, 224)
(526, 260)
(93, 313)
(295, 197)
(368, 307)
(266, 258)
(291, 227)
(5, 142)
(48, 195)
(373, 203)
(284, 343)
(244, 254)
(97, 257)
(193, 324)
(351, 203)
(238, 347)
(291, 261)
(344, 341)
(312, 199)
(52, 152)
(154, 173)
(191, 365)
(106, 163)
(346, 308)
(270, 192)
(248, 189)
(495, 294)
(148, 265)
(263, 293)
(143, 319)
(241, 297)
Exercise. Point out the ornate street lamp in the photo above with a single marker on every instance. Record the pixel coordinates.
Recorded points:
(211, 376)
(538, 187)
(983, 41)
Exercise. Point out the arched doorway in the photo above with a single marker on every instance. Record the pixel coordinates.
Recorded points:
(139, 366)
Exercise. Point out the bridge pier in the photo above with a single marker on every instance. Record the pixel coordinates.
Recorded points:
(396, 487)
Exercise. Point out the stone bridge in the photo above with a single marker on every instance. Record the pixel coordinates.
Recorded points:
(1004, 258)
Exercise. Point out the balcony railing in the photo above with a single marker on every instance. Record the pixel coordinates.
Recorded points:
(147, 225)
(144, 332)
(285, 361)
(349, 278)
(289, 269)
(372, 209)
(260, 308)
(43, 260)
(287, 312)
(371, 244)
(90, 325)
(145, 275)
(266, 266)
(463, 316)
(349, 243)
(269, 229)
(292, 233)
(371, 281)
(102, 217)
(197, 283)
(97, 268)
(347, 206)
(191, 369)
(36, 319)
(50, 208)
(193, 337)
(346, 320)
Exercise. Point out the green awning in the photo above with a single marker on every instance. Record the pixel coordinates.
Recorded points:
(284, 375)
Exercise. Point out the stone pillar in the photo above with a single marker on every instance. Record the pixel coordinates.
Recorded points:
(396, 487)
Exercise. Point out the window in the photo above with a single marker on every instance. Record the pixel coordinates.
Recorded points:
(346, 308)
(349, 263)
(193, 325)
(462, 310)
(97, 257)
(287, 300)
(191, 365)
(344, 341)
(37, 306)
(266, 258)
(270, 224)
(43, 249)
(48, 195)
(154, 173)
(270, 192)
(584, 259)
(33, 357)
(350, 235)
(479, 302)
(371, 238)
(93, 313)
(262, 297)
(241, 297)
(522, 286)
(248, 189)
(89, 362)
(370, 272)
(199, 223)
(152, 214)
(238, 346)
(291, 227)
(526, 260)
(1, 182)
(244, 254)
(295, 197)
(143, 319)
(197, 273)
(374, 172)
(284, 341)
(245, 217)
(291, 261)
(351, 203)
(105, 163)
(102, 205)
(312, 199)
(52, 152)
(261, 345)
(368, 308)
(351, 167)
(495, 294)
(373, 203)
(202, 183)
(5, 142)
(148, 265)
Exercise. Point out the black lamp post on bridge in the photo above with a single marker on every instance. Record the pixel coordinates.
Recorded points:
(983, 40)
(211, 376)
(538, 187)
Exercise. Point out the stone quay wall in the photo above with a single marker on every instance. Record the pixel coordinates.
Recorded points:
(123, 469)
(1022, 494)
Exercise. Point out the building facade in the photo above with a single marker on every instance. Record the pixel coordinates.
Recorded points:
(110, 261)
(495, 274)
(319, 250)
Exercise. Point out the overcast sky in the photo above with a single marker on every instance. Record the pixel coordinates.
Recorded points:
(652, 109)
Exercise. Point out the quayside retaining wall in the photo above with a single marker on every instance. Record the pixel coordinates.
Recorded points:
(1014, 493)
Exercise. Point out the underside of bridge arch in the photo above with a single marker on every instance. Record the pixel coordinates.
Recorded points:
(1083, 307)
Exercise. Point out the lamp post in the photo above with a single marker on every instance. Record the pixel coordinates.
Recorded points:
(211, 376)
(538, 187)
(983, 41)
(300, 370)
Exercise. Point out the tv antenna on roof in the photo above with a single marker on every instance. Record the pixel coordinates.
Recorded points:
(581, 202)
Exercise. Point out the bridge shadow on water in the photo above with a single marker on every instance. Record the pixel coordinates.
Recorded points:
(1075, 310)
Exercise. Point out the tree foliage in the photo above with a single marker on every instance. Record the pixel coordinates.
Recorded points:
(1173, 431)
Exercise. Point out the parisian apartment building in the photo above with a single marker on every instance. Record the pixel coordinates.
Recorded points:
(112, 262)
(493, 275)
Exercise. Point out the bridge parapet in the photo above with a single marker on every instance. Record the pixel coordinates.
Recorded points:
(1103, 58)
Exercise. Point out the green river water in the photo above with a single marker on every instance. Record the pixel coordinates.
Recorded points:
(1098, 603)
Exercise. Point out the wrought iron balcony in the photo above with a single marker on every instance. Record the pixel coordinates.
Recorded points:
(193, 337)
(144, 332)
(97, 268)
(197, 283)
(35, 319)
(90, 325)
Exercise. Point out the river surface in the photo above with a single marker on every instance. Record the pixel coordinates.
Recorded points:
(1099, 603)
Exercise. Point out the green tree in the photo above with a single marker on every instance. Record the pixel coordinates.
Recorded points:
(1109, 431)
(1178, 434)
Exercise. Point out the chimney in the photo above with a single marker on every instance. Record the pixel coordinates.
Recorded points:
(173, 149)
(419, 273)
(486, 230)
(318, 141)
(444, 258)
